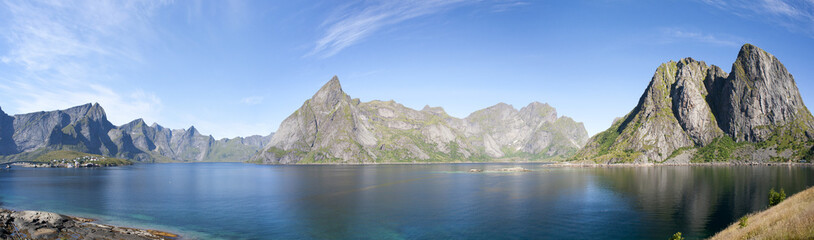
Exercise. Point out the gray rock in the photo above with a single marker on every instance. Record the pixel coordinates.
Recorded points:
(46, 225)
(689, 105)
(86, 129)
(758, 97)
(333, 128)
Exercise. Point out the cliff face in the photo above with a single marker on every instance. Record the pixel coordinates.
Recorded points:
(86, 129)
(694, 112)
(333, 128)
(759, 98)
(82, 128)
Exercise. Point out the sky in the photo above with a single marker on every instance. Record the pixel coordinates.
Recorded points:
(239, 68)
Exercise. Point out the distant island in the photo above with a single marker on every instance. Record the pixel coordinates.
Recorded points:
(72, 159)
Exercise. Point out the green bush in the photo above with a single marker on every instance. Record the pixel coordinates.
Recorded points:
(775, 197)
(677, 236)
(743, 221)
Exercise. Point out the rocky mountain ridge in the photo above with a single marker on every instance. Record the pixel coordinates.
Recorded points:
(85, 128)
(331, 127)
(691, 112)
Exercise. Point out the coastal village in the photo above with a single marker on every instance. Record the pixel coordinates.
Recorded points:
(84, 161)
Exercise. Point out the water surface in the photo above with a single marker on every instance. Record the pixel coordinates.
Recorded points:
(441, 201)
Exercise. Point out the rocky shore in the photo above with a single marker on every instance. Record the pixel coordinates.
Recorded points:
(47, 225)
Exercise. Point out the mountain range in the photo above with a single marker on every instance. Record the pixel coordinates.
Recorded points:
(691, 112)
(332, 127)
(86, 129)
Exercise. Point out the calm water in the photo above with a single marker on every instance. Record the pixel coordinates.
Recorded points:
(245, 201)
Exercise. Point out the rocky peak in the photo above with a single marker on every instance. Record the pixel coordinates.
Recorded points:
(157, 127)
(192, 131)
(330, 94)
(439, 111)
(538, 112)
(754, 64)
(758, 95)
(495, 112)
(133, 124)
(690, 104)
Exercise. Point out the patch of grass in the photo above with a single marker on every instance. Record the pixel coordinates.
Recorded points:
(719, 150)
(677, 152)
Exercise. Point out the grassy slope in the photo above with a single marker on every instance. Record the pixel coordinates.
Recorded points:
(791, 219)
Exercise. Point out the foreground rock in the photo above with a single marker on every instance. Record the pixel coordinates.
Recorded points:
(47, 225)
(692, 112)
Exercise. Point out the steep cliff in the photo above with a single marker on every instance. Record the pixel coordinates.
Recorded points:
(699, 113)
(333, 128)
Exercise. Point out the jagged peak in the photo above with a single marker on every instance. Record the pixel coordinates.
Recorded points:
(501, 105)
(93, 111)
(750, 53)
(331, 85)
(501, 108)
(753, 60)
(435, 110)
(537, 104)
(689, 61)
(80, 108)
(330, 93)
(540, 109)
(96, 111)
(137, 122)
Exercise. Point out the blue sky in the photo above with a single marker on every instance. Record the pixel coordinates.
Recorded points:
(237, 68)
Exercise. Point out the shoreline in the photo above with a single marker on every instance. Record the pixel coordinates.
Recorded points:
(48, 225)
(713, 164)
(551, 164)
(558, 164)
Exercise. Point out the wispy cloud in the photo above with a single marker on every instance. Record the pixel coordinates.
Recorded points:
(506, 5)
(795, 15)
(361, 20)
(670, 35)
(253, 100)
(68, 53)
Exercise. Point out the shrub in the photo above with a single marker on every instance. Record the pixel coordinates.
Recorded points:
(743, 221)
(677, 236)
(775, 197)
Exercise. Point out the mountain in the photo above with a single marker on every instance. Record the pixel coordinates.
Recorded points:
(691, 112)
(331, 127)
(86, 129)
